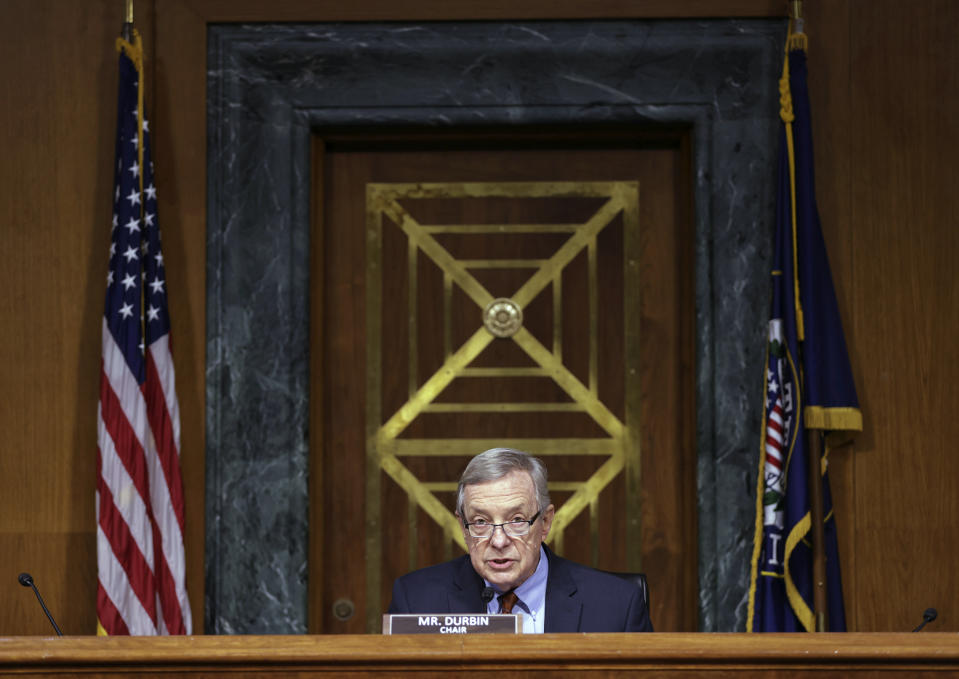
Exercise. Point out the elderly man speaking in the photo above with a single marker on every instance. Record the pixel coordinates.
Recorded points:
(504, 507)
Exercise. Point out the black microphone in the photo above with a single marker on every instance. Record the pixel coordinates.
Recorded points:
(929, 615)
(26, 580)
(487, 595)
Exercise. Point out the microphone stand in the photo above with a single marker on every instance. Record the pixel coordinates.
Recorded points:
(26, 580)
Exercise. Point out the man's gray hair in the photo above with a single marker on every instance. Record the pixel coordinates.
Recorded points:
(496, 463)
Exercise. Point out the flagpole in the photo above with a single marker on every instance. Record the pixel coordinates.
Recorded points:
(127, 30)
(820, 598)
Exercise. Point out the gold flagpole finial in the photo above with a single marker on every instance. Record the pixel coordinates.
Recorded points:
(796, 38)
(796, 20)
(127, 30)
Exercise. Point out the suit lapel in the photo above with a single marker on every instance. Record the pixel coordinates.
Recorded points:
(563, 609)
(465, 596)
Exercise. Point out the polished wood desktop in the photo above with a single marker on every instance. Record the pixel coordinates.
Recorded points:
(553, 655)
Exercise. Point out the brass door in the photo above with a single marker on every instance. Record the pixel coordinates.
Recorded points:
(471, 298)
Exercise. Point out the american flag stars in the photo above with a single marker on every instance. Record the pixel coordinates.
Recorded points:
(135, 243)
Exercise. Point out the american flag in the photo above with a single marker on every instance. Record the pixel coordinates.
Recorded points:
(780, 422)
(140, 555)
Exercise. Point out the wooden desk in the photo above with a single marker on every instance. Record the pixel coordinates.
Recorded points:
(552, 655)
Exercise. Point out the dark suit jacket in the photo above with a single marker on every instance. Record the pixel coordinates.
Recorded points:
(578, 598)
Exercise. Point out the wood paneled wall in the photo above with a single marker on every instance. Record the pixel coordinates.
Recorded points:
(883, 80)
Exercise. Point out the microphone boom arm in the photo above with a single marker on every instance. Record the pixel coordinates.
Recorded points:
(26, 580)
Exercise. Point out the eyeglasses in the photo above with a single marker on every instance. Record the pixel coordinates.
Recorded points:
(515, 529)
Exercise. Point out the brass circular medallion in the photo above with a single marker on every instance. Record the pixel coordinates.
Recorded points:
(343, 609)
(503, 317)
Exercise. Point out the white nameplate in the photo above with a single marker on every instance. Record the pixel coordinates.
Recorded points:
(453, 623)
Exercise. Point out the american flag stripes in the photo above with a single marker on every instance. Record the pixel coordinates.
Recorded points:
(140, 553)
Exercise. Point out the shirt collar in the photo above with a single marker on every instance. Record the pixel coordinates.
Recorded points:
(532, 593)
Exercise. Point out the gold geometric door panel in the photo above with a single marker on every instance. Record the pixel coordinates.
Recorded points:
(501, 314)
(411, 243)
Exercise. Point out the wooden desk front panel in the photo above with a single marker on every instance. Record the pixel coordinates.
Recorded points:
(553, 655)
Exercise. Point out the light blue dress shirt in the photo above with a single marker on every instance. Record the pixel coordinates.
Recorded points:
(532, 598)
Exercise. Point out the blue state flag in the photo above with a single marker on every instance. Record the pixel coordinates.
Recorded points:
(808, 384)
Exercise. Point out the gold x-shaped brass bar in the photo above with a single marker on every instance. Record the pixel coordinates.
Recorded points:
(383, 198)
